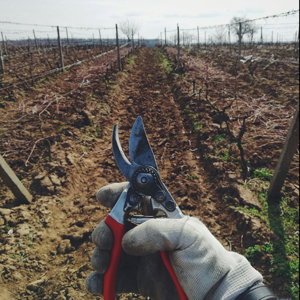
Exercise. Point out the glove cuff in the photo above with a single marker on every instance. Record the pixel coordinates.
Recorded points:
(257, 292)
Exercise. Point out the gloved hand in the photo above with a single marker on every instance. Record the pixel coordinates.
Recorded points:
(204, 268)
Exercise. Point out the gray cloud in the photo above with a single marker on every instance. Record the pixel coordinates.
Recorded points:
(198, 16)
(251, 10)
(133, 14)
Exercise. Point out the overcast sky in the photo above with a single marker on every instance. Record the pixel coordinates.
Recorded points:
(154, 15)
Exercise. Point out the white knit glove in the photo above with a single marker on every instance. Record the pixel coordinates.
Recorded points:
(204, 268)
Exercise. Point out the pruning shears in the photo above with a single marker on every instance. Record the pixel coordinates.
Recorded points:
(144, 180)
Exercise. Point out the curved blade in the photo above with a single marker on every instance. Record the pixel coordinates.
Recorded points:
(122, 161)
(139, 148)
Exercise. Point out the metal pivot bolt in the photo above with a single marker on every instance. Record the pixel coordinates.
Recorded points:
(160, 196)
(144, 180)
(170, 205)
(134, 199)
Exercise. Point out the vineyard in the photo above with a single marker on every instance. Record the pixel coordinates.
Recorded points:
(217, 121)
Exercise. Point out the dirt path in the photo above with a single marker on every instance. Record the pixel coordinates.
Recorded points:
(48, 254)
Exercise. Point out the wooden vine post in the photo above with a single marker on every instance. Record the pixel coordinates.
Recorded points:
(178, 45)
(6, 42)
(60, 50)
(67, 35)
(4, 46)
(11, 180)
(229, 39)
(100, 40)
(198, 37)
(132, 39)
(285, 159)
(36, 44)
(240, 44)
(118, 48)
(1, 63)
(165, 36)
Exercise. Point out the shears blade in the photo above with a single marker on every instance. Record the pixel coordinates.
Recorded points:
(139, 147)
(139, 150)
(122, 161)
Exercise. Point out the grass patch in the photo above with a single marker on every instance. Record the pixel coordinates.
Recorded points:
(280, 255)
(219, 138)
(192, 177)
(223, 153)
(197, 126)
(131, 60)
(22, 256)
(164, 60)
(6, 228)
(186, 109)
(262, 173)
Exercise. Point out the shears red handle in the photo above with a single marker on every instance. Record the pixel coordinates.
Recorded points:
(111, 273)
(166, 259)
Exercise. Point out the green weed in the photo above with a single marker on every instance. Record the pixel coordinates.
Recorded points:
(99, 133)
(197, 126)
(22, 256)
(30, 244)
(131, 60)
(192, 177)
(6, 228)
(253, 253)
(268, 247)
(61, 128)
(166, 65)
(224, 154)
(262, 173)
(219, 138)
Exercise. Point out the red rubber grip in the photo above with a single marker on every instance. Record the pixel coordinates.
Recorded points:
(111, 273)
(166, 259)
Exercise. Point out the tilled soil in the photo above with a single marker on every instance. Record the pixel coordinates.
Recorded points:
(47, 253)
(22, 65)
(267, 105)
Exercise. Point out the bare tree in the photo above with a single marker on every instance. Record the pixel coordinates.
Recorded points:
(220, 34)
(248, 27)
(129, 28)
